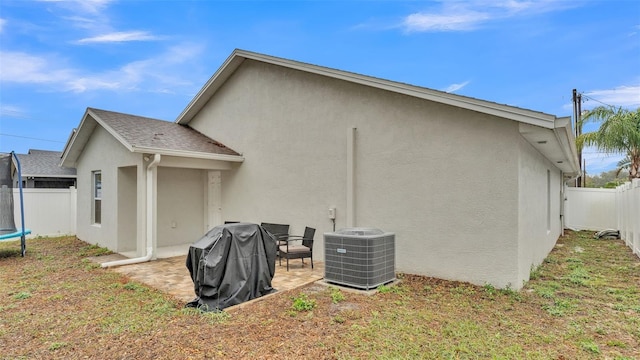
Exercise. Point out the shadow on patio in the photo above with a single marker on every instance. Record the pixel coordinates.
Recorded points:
(171, 276)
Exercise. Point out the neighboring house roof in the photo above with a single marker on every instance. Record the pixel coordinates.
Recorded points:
(146, 135)
(44, 163)
(540, 129)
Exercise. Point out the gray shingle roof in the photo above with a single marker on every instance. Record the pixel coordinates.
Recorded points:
(143, 132)
(43, 163)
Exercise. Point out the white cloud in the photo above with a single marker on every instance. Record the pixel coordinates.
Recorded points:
(121, 36)
(597, 162)
(444, 22)
(2, 23)
(455, 87)
(89, 15)
(12, 111)
(625, 96)
(87, 23)
(19, 67)
(86, 6)
(466, 16)
(156, 74)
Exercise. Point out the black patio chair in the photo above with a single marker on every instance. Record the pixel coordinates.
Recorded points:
(280, 232)
(298, 251)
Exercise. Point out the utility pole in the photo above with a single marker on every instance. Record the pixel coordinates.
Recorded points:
(577, 110)
(582, 181)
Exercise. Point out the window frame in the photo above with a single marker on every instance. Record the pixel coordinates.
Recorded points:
(96, 197)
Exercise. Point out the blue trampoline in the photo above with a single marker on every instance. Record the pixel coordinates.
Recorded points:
(8, 228)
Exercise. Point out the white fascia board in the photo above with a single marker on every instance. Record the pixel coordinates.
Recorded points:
(505, 111)
(238, 56)
(50, 176)
(67, 145)
(188, 154)
(64, 159)
(210, 87)
(553, 144)
(70, 153)
(111, 131)
(564, 134)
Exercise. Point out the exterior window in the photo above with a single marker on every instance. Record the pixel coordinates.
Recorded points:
(97, 197)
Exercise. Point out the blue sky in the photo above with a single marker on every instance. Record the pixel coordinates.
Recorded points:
(150, 58)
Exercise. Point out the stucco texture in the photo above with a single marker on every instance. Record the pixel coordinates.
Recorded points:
(180, 201)
(539, 223)
(445, 180)
(102, 153)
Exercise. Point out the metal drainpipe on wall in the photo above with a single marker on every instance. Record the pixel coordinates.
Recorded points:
(351, 180)
(150, 203)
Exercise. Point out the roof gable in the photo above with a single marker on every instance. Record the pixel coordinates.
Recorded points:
(545, 125)
(146, 135)
(238, 56)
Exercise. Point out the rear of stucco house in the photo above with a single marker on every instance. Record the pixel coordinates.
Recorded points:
(126, 201)
(472, 189)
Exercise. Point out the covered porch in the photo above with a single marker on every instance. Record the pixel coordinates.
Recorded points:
(166, 204)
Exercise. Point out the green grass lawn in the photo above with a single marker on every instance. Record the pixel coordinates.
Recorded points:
(583, 302)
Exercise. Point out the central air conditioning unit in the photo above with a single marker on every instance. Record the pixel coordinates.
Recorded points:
(363, 258)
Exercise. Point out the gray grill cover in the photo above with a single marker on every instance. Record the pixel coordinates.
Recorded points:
(231, 264)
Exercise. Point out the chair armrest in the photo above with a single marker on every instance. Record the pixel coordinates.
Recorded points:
(279, 237)
(297, 238)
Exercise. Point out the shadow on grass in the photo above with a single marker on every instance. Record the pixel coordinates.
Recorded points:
(8, 253)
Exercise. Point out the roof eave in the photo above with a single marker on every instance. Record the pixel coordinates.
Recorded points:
(187, 154)
(49, 175)
(111, 131)
(565, 136)
(70, 154)
(557, 144)
(90, 119)
(211, 86)
(238, 56)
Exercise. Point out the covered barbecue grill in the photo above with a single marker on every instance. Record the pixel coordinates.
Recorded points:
(231, 264)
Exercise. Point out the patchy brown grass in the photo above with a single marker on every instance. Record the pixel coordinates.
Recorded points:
(583, 303)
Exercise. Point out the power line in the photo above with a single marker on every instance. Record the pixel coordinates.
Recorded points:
(596, 100)
(31, 138)
(602, 153)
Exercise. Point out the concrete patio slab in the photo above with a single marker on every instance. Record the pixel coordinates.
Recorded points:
(171, 275)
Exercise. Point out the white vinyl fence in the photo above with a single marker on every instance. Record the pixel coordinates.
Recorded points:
(600, 209)
(628, 206)
(590, 209)
(47, 212)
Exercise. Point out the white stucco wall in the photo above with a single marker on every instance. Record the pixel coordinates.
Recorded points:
(181, 197)
(127, 209)
(539, 223)
(445, 180)
(102, 152)
(180, 206)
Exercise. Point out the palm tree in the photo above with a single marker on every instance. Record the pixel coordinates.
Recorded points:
(619, 132)
(624, 164)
